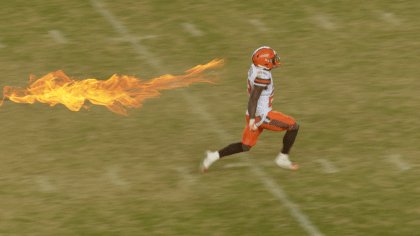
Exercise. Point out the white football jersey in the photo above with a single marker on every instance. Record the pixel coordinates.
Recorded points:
(263, 78)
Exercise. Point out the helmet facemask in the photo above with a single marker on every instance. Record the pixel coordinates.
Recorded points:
(276, 61)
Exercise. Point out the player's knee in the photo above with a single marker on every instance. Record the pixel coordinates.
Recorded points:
(295, 127)
(246, 147)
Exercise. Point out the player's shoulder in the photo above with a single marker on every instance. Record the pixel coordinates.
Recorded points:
(262, 77)
(259, 76)
(259, 72)
(263, 74)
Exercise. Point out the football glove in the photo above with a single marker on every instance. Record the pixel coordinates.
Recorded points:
(252, 125)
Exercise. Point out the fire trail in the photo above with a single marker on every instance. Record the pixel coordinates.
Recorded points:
(117, 93)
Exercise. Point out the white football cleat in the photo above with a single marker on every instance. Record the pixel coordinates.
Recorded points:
(209, 158)
(283, 161)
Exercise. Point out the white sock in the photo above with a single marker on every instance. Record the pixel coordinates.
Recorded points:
(283, 156)
(211, 157)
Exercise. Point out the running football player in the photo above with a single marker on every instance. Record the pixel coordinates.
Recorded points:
(260, 115)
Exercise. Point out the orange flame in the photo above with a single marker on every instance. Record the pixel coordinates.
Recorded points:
(116, 93)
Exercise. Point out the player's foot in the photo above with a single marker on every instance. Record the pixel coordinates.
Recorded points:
(283, 161)
(209, 158)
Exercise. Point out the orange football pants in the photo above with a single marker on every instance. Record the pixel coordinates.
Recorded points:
(275, 121)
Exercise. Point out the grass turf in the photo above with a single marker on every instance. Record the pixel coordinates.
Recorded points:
(349, 77)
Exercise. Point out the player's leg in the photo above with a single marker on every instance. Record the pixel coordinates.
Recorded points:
(233, 148)
(211, 157)
(282, 159)
(249, 138)
(289, 139)
(277, 121)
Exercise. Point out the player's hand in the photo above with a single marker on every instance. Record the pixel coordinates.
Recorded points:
(252, 125)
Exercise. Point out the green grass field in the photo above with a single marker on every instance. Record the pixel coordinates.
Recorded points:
(350, 77)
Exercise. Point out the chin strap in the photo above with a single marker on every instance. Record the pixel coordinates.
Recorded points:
(263, 67)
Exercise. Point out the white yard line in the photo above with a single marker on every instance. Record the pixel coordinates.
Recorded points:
(388, 17)
(114, 178)
(328, 166)
(192, 29)
(294, 210)
(241, 164)
(325, 22)
(125, 39)
(396, 159)
(44, 184)
(258, 24)
(186, 175)
(139, 49)
(206, 116)
(391, 19)
(57, 36)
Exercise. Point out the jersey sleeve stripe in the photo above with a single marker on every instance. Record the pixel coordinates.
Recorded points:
(262, 81)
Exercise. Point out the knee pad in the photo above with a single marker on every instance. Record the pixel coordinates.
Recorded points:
(246, 147)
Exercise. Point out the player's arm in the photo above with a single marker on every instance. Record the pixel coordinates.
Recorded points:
(253, 100)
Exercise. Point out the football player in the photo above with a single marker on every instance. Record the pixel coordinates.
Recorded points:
(260, 115)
